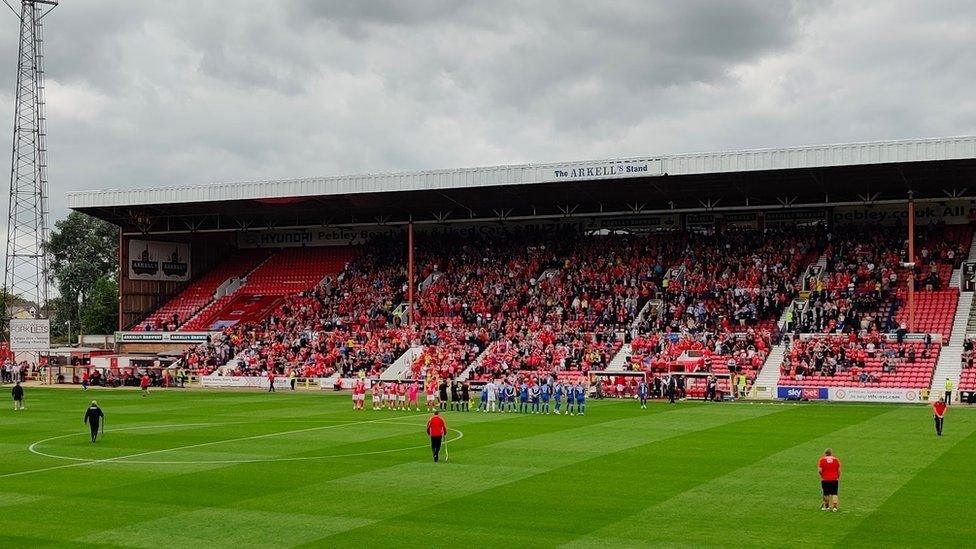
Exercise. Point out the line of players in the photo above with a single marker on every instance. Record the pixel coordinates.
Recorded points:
(532, 397)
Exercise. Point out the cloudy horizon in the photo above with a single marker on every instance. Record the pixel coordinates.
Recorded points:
(186, 93)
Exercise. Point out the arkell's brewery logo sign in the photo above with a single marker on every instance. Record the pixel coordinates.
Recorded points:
(634, 168)
(175, 267)
(156, 260)
(145, 265)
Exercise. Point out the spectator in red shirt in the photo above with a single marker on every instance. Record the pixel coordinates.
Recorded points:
(939, 410)
(829, 468)
(436, 429)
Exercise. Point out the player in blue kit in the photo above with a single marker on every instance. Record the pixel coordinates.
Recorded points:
(642, 390)
(558, 394)
(570, 399)
(534, 395)
(545, 391)
(483, 405)
(523, 398)
(580, 394)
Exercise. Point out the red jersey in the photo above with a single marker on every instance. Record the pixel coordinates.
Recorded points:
(144, 382)
(829, 468)
(436, 427)
(939, 408)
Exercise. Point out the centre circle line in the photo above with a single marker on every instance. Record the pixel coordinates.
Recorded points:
(127, 458)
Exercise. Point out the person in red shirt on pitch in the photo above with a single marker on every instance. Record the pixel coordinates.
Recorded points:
(271, 378)
(939, 409)
(829, 468)
(436, 429)
(144, 384)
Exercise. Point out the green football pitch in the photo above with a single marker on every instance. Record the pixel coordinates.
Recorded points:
(238, 469)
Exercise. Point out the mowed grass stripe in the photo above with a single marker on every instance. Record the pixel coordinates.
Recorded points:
(558, 478)
(202, 490)
(158, 490)
(781, 491)
(416, 483)
(552, 494)
(925, 511)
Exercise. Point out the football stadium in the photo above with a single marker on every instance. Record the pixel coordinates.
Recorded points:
(753, 348)
(636, 346)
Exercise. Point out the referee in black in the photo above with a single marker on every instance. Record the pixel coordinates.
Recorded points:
(442, 390)
(94, 417)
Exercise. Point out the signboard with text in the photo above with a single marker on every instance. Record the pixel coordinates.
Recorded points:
(30, 334)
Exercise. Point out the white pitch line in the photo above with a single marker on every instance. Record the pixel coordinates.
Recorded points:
(188, 447)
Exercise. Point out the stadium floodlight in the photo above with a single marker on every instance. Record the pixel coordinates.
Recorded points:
(25, 271)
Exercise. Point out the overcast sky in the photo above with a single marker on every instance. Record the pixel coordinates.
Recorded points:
(198, 91)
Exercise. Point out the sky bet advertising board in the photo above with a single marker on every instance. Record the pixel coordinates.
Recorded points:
(802, 393)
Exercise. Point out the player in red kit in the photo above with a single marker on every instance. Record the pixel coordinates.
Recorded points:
(829, 467)
(144, 384)
(939, 410)
(375, 390)
(430, 391)
(358, 394)
(436, 429)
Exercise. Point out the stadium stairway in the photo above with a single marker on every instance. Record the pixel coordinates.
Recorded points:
(950, 358)
(396, 370)
(619, 361)
(466, 374)
(214, 302)
(764, 386)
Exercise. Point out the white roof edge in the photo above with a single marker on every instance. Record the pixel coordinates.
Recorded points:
(796, 157)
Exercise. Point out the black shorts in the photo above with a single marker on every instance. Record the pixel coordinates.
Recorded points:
(829, 487)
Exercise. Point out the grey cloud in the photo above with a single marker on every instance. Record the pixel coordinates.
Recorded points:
(195, 91)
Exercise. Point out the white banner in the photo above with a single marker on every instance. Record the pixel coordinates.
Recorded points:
(889, 337)
(30, 334)
(225, 382)
(154, 260)
(864, 394)
(608, 169)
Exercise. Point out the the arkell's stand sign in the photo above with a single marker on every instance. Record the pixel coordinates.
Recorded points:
(621, 168)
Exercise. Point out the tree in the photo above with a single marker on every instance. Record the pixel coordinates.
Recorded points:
(100, 311)
(84, 251)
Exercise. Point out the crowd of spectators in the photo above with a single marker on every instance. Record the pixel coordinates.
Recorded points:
(542, 302)
(859, 360)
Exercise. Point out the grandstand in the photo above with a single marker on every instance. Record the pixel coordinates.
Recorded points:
(787, 266)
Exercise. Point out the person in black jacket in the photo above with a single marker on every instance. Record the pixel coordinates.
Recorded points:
(18, 393)
(94, 417)
(465, 395)
(455, 395)
(442, 393)
(671, 387)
